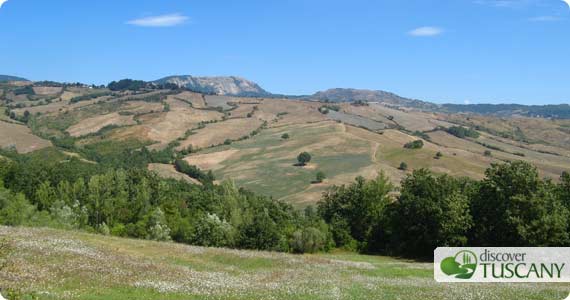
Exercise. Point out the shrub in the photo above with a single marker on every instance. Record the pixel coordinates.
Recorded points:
(307, 240)
(320, 177)
(403, 166)
(285, 136)
(438, 155)
(487, 153)
(417, 144)
(304, 158)
(462, 132)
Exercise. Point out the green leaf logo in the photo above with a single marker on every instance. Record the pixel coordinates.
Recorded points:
(461, 266)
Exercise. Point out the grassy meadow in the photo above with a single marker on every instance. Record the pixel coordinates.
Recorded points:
(56, 264)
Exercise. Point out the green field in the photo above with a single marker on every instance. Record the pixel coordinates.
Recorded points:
(266, 162)
(72, 265)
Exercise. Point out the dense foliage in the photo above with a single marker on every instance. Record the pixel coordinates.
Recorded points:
(37, 190)
(417, 144)
(462, 132)
(512, 206)
(127, 84)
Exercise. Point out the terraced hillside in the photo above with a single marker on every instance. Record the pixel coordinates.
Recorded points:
(52, 264)
(255, 141)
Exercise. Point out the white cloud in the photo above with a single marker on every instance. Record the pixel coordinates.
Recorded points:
(426, 31)
(2, 2)
(466, 102)
(159, 21)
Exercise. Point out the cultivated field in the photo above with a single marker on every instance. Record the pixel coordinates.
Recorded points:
(20, 137)
(217, 133)
(358, 141)
(78, 266)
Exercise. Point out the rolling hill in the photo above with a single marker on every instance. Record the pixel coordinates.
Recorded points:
(4, 78)
(352, 95)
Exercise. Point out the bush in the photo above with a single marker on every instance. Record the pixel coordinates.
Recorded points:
(438, 155)
(418, 144)
(320, 177)
(462, 132)
(488, 153)
(285, 136)
(211, 231)
(308, 240)
(183, 167)
(304, 158)
(403, 166)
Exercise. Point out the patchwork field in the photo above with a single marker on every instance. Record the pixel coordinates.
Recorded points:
(217, 133)
(93, 125)
(78, 266)
(243, 140)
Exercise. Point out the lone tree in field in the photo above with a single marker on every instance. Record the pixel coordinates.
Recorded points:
(304, 158)
(285, 136)
(320, 177)
(403, 166)
(438, 155)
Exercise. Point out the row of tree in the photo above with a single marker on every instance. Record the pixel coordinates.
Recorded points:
(134, 202)
(512, 206)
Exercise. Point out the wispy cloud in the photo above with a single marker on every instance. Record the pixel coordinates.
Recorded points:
(2, 2)
(160, 21)
(426, 31)
(545, 19)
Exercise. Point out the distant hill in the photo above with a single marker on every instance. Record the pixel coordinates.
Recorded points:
(352, 95)
(230, 86)
(561, 111)
(4, 78)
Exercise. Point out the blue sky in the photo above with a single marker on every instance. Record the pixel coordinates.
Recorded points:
(460, 51)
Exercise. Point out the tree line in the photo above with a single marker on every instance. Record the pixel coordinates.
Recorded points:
(512, 206)
(133, 202)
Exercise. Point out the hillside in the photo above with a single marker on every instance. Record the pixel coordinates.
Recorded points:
(561, 111)
(352, 95)
(229, 86)
(4, 78)
(241, 138)
(58, 264)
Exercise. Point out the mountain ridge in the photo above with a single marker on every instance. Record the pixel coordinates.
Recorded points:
(4, 78)
(220, 85)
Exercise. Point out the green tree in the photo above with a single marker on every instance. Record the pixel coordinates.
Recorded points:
(431, 211)
(514, 207)
(356, 208)
(403, 166)
(417, 144)
(304, 158)
(285, 136)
